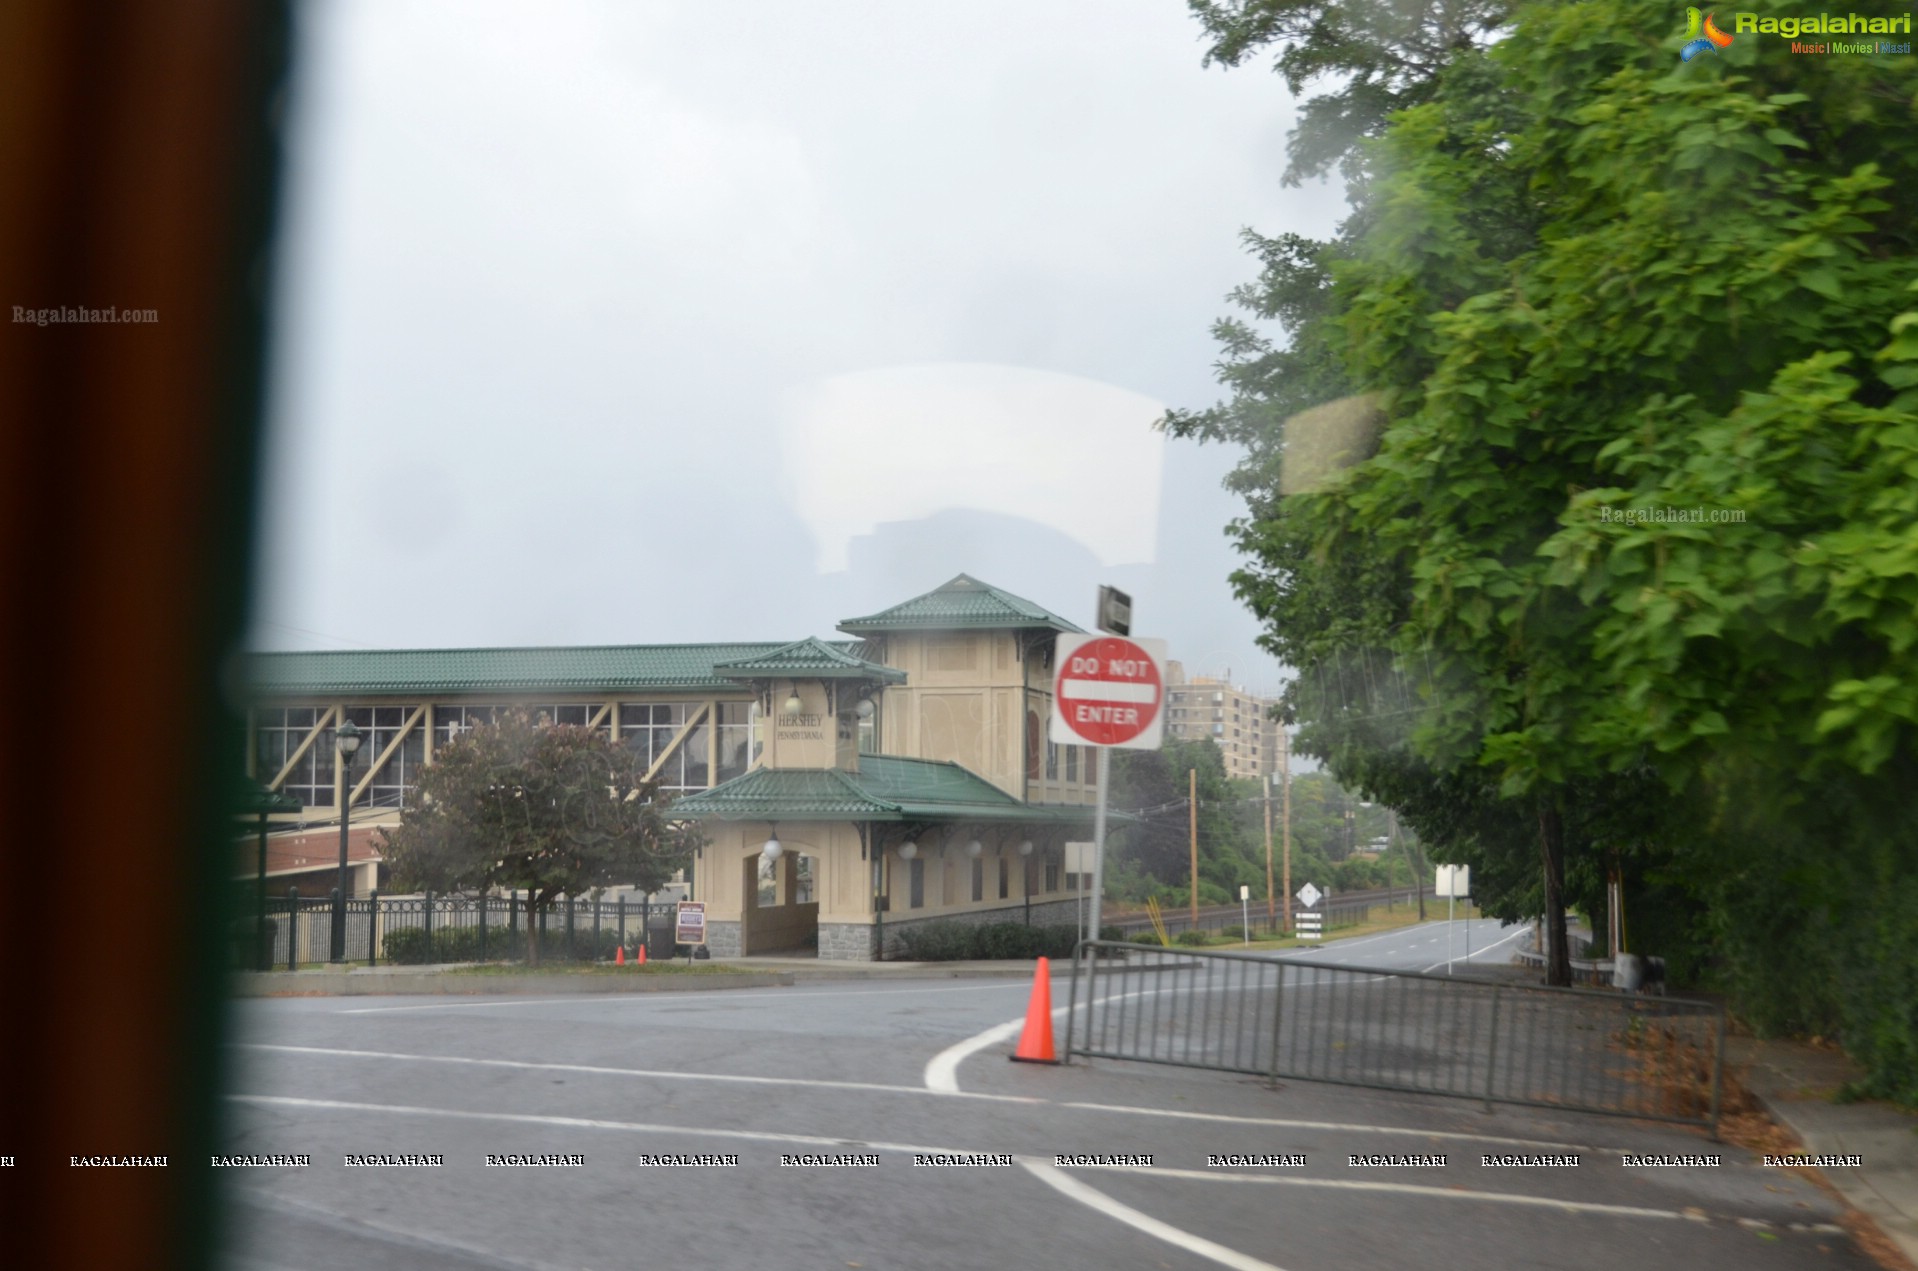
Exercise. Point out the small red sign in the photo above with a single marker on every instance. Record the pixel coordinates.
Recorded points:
(1107, 691)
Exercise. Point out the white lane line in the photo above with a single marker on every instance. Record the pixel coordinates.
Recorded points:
(601, 1071)
(1413, 1189)
(581, 1123)
(1487, 949)
(623, 998)
(874, 1087)
(942, 1070)
(1346, 1127)
(1099, 1201)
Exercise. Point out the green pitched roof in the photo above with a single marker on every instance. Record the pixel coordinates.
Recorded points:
(886, 788)
(425, 672)
(964, 602)
(811, 659)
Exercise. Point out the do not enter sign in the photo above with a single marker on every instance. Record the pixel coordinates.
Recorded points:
(1108, 691)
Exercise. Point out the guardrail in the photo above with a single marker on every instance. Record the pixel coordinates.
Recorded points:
(1587, 1050)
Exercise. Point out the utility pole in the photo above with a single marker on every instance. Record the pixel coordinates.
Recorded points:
(1285, 822)
(1192, 804)
(1271, 910)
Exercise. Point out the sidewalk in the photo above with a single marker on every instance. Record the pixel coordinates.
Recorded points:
(1795, 1082)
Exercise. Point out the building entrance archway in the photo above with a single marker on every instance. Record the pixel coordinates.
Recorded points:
(781, 910)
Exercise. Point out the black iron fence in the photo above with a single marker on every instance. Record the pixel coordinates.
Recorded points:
(436, 929)
(1583, 1049)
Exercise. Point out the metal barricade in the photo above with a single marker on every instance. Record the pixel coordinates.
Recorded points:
(1587, 1050)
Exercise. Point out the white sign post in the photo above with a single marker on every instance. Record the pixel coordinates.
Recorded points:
(1107, 692)
(1454, 881)
(1245, 912)
(1306, 921)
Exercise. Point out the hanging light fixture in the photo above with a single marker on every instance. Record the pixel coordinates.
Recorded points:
(908, 850)
(865, 708)
(1025, 848)
(793, 705)
(973, 849)
(773, 847)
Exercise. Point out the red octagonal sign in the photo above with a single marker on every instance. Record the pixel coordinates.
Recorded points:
(1108, 691)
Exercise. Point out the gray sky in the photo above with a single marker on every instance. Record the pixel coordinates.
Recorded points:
(650, 322)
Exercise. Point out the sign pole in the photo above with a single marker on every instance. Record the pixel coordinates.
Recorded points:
(1271, 905)
(1099, 838)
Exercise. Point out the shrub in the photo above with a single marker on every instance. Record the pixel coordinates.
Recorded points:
(1192, 939)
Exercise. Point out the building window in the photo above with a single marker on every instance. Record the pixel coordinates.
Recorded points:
(277, 734)
(1032, 745)
(1052, 876)
(978, 880)
(1005, 876)
(380, 725)
(1072, 763)
(1052, 761)
(738, 738)
(917, 872)
(647, 729)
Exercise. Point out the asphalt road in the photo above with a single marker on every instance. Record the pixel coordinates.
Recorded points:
(897, 1072)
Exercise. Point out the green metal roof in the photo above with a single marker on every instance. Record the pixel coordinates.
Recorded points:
(886, 788)
(965, 602)
(811, 659)
(426, 672)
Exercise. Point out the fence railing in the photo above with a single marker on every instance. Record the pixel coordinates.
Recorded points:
(1581, 1049)
(430, 929)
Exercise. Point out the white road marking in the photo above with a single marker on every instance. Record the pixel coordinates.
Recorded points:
(875, 1087)
(1413, 1189)
(1487, 949)
(581, 1123)
(624, 998)
(600, 1071)
(1099, 1201)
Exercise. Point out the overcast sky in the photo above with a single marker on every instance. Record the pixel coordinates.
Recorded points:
(653, 322)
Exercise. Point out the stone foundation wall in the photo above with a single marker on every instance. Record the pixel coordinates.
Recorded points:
(722, 939)
(1045, 913)
(845, 941)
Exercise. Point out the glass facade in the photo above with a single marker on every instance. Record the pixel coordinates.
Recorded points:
(378, 726)
(277, 734)
(738, 738)
(647, 729)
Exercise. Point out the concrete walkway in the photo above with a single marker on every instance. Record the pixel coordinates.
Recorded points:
(1796, 1083)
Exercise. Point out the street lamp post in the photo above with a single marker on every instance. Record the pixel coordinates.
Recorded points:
(347, 739)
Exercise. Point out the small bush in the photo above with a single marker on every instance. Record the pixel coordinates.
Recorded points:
(1192, 939)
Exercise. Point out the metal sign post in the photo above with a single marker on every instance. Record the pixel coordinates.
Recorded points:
(1245, 912)
(1106, 693)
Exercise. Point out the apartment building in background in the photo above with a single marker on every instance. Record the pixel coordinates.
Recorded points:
(1237, 721)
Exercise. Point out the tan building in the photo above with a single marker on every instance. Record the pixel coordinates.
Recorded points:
(1239, 722)
(903, 773)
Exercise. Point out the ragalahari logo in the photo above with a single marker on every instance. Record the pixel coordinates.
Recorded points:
(1701, 36)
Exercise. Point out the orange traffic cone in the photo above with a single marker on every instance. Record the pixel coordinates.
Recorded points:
(619, 959)
(642, 955)
(1035, 1044)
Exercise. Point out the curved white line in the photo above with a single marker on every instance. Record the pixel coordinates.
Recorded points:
(1176, 1114)
(1132, 1218)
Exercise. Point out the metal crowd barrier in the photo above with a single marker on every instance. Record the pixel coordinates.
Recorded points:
(1588, 1050)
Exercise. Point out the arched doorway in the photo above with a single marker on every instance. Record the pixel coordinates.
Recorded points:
(781, 910)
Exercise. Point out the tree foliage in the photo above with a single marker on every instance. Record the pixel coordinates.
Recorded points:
(552, 809)
(1636, 562)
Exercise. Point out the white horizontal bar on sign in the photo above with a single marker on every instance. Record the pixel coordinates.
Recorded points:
(1108, 691)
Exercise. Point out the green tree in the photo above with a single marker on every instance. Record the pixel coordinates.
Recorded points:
(555, 809)
(1589, 283)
